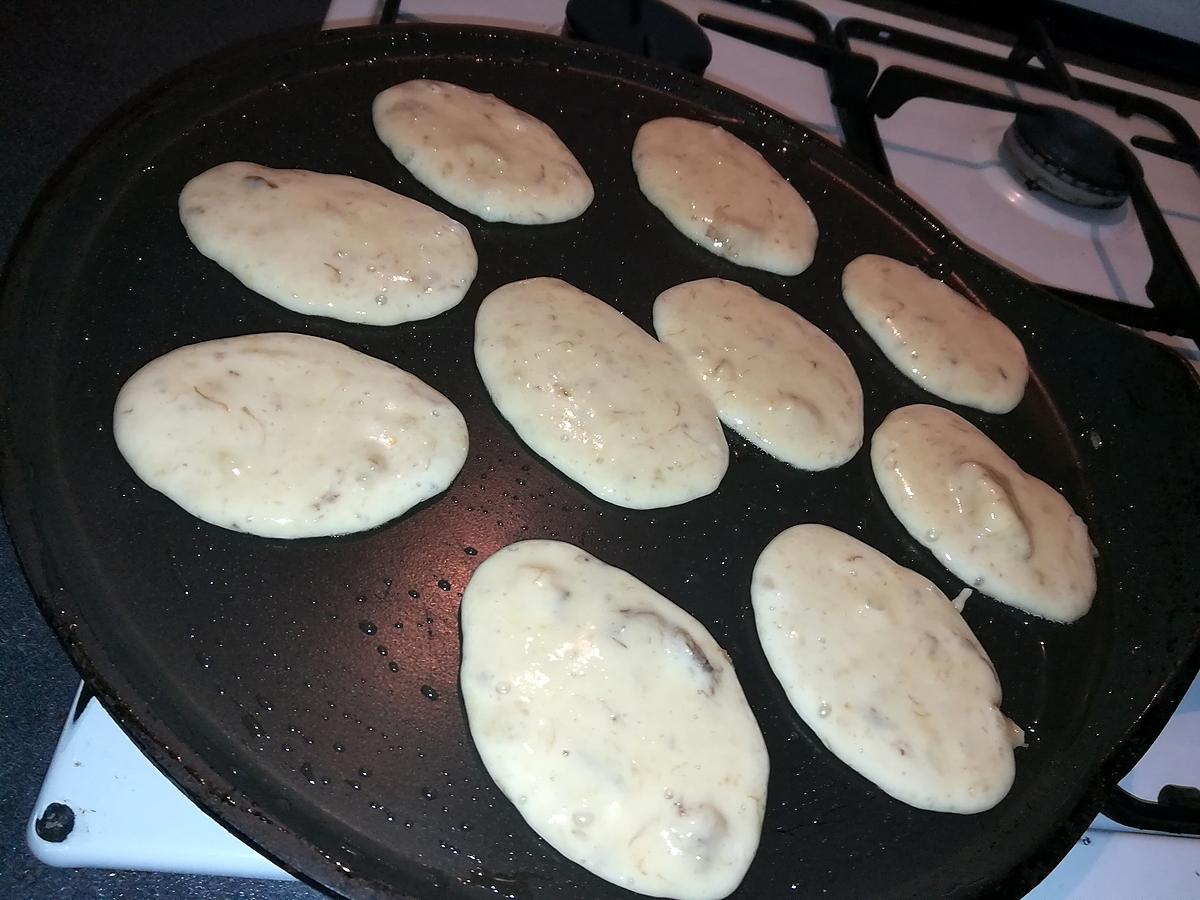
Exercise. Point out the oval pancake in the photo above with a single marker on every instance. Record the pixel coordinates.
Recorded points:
(328, 245)
(287, 435)
(613, 722)
(722, 194)
(775, 378)
(884, 669)
(597, 397)
(996, 527)
(479, 153)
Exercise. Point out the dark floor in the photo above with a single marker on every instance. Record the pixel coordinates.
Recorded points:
(64, 67)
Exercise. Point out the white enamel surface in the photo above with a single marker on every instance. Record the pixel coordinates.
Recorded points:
(328, 245)
(882, 667)
(613, 722)
(597, 397)
(946, 156)
(128, 814)
(997, 528)
(481, 154)
(287, 435)
(956, 172)
(722, 194)
(935, 336)
(774, 377)
(757, 72)
(1174, 186)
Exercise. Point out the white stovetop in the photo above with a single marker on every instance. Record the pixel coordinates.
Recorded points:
(99, 772)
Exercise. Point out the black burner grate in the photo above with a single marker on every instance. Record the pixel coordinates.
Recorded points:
(859, 98)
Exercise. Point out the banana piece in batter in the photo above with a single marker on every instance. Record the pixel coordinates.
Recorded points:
(287, 435)
(613, 722)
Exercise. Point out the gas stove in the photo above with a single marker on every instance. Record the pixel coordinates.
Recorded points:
(1083, 181)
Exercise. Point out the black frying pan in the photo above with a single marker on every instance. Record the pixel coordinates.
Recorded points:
(304, 693)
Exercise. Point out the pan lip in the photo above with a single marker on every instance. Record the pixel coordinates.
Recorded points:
(188, 770)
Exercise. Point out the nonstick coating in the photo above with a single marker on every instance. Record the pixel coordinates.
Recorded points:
(305, 693)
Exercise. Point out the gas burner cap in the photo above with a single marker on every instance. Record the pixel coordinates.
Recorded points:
(649, 28)
(1068, 157)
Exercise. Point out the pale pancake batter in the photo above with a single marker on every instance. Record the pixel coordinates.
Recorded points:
(613, 722)
(597, 397)
(1002, 531)
(328, 245)
(935, 335)
(884, 669)
(775, 378)
(287, 435)
(479, 153)
(723, 195)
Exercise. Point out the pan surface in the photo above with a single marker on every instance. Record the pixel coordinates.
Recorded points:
(305, 693)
